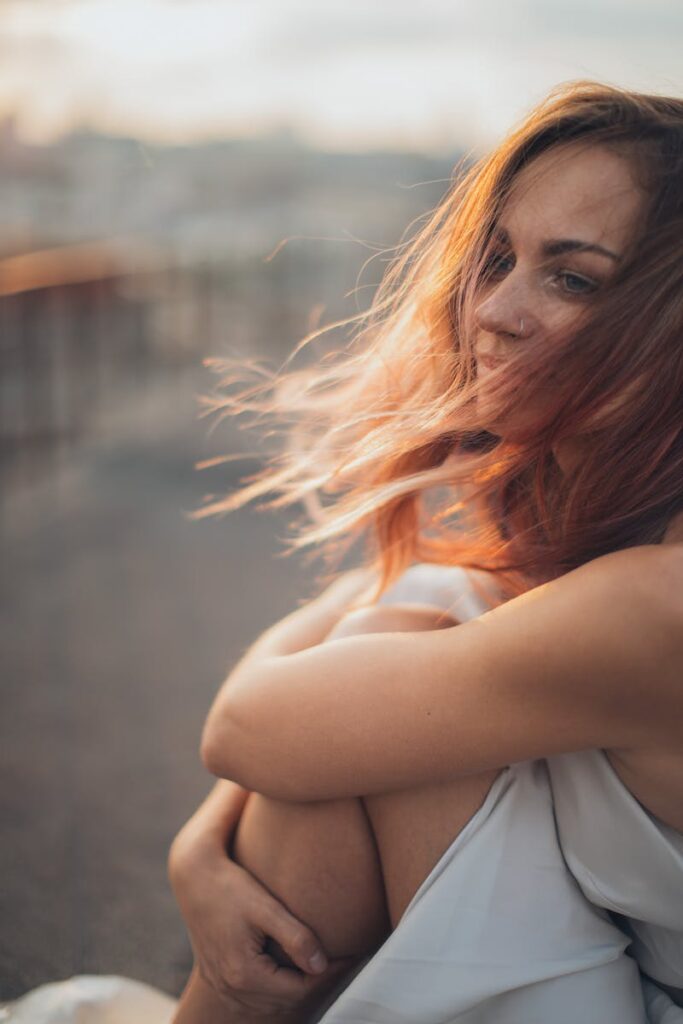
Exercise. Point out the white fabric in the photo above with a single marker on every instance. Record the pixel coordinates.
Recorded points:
(91, 1000)
(501, 932)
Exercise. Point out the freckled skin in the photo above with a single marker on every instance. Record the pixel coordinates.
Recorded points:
(587, 194)
(584, 193)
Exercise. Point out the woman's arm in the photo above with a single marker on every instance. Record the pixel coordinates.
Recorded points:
(309, 625)
(214, 820)
(592, 659)
(228, 914)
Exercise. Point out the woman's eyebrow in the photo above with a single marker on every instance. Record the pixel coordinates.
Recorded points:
(560, 245)
(557, 246)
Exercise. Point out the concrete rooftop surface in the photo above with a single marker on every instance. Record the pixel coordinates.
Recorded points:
(120, 619)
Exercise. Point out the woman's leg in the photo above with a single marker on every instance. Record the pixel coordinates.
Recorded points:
(348, 868)
(414, 827)
(321, 861)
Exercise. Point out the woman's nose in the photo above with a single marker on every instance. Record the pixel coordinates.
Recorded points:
(505, 312)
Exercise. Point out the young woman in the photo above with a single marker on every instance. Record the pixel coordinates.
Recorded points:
(484, 807)
(495, 790)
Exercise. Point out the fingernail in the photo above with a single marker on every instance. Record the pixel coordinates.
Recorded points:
(318, 963)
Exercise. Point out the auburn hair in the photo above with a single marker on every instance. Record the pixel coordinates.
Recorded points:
(381, 437)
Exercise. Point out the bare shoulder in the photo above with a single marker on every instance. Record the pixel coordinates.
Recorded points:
(641, 589)
(603, 643)
(658, 561)
(643, 585)
(648, 578)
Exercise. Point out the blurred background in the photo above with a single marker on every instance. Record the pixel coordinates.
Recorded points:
(154, 155)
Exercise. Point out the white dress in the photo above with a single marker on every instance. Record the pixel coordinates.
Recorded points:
(561, 901)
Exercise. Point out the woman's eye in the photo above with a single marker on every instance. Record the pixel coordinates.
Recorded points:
(575, 284)
(498, 263)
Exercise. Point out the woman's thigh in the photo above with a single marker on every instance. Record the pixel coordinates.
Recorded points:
(413, 828)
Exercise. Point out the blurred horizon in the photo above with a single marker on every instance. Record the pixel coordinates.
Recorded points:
(432, 77)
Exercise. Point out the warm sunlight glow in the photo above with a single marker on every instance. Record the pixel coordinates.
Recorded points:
(427, 76)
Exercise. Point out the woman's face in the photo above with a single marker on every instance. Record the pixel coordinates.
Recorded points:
(561, 237)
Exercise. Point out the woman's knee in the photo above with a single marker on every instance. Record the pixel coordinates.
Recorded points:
(321, 861)
(391, 619)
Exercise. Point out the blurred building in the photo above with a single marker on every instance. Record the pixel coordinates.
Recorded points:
(119, 260)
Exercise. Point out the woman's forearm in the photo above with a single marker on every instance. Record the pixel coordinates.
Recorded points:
(303, 628)
(309, 625)
(221, 810)
(210, 828)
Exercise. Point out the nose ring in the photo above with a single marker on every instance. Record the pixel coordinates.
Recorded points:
(521, 327)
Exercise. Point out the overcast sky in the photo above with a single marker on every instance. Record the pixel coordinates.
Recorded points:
(429, 74)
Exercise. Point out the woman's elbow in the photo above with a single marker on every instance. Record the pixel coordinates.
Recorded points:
(220, 747)
(239, 752)
(226, 746)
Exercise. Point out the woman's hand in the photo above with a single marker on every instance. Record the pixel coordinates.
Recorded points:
(231, 919)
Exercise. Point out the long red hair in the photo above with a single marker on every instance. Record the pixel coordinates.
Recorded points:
(382, 439)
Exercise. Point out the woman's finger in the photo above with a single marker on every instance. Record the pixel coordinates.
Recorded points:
(291, 988)
(299, 943)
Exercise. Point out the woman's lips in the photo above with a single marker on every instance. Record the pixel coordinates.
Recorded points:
(490, 362)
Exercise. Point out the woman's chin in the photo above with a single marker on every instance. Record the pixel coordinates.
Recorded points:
(517, 429)
(489, 418)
